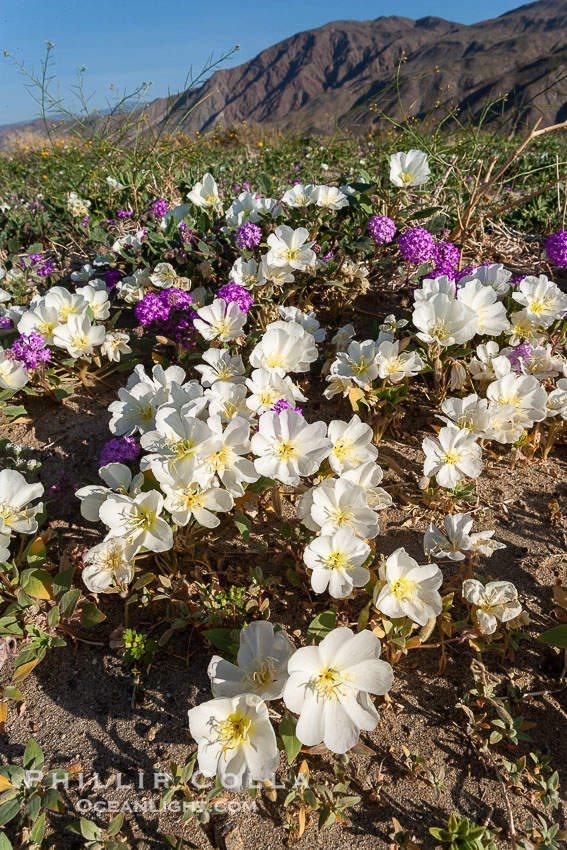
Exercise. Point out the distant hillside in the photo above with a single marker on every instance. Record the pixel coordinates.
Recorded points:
(317, 78)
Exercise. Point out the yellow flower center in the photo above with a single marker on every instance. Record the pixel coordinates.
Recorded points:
(451, 457)
(285, 451)
(274, 360)
(235, 730)
(407, 176)
(403, 588)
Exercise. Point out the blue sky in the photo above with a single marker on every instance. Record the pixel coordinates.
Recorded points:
(127, 42)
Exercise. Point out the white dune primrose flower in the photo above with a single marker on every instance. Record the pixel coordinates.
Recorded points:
(343, 337)
(444, 320)
(289, 247)
(452, 540)
(226, 462)
(524, 393)
(268, 386)
(137, 520)
(221, 365)
(542, 299)
(108, 563)
(299, 195)
(287, 448)
(285, 346)
(397, 365)
(351, 444)
(13, 376)
(453, 456)
(491, 318)
(329, 687)
(16, 512)
(177, 444)
(357, 363)
(470, 413)
(493, 275)
(185, 499)
(163, 276)
(115, 345)
(496, 601)
(118, 479)
(329, 197)
(220, 320)
(409, 169)
(135, 408)
(79, 337)
(42, 319)
(236, 740)
(338, 503)
(308, 320)
(368, 476)
(247, 273)
(336, 562)
(408, 589)
(261, 664)
(227, 400)
(205, 193)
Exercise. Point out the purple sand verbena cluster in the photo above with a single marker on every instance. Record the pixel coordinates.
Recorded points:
(382, 229)
(248, 235)
(416, 245)
(119, 450)
(556, 249)
(30, 350)
(233, 293)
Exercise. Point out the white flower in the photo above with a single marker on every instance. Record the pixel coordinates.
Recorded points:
(470, 412)
(557, 400)
(409, 169)
(496, 601)
(336, 560)
(13, 376)
(108, 563)
(287, 448)
(267, 386)
(97, 299)
(543, 363)
(351, 444)
(483, 544)
(526, 326)
(136, 408)
(329, 197)
(42, 319)
(299, 195)
(84, 274)
(368, 476)
(78, 336)
(247, 273)
(285, 346)
(444, 320)
(488, 363)
(115, 345)
(338, 385)
(290, 247)
(248, 208)
(177, 444)
(307, 320)
(261, 664)
(236, 740)
(205, 193)
(220, 365)
(130, 289)
(396, 365)
(220, 320)
(77, 206)
(343, 337)
(278, 275)
(4, 548)
(227, 400)
(543, 300)
(452, 540)
(409, 589)
(186, 499)
(391, 325)
(115, 184)
(16, 512)
(357, 363)
(66, 303)
(137, 520)
(524, 393)
(329, 687)
(339, 503)
(163, 276)
(118, 478)
(226, 461)
(491, 318)
(493, 275)
(452, 457)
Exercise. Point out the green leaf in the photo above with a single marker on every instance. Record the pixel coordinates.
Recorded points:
(53, 801)
(261, 485)
(555, 637)
(223, 639)
(37, 583)
(244, 525)
(115, 824)
(68, 603)
(321, 626)
(62, 581)
(327, 817)
(38, 829)
(90, 830)
(33, 756)
(53, 617)
(9, 810)
(5, 843)
(91, 615)
(287, 734)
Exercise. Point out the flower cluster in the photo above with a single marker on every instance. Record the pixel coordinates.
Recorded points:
(382, 229)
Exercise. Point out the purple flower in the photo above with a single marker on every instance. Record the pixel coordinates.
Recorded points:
(416, 245)
(283, 404)
(233, 292)
(464, 272)
(30, 350)
(41, 267)
(85, 221)
(517, 355)
(248, 235)
(111, 278)
(124, 213)
(446, 257)
(152, 308)
(159, 208)
(5, 323)
(556, 249)
(119, 450)
(382, 229)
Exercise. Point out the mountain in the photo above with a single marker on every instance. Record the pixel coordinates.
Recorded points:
(344, 73)
(335, 73)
